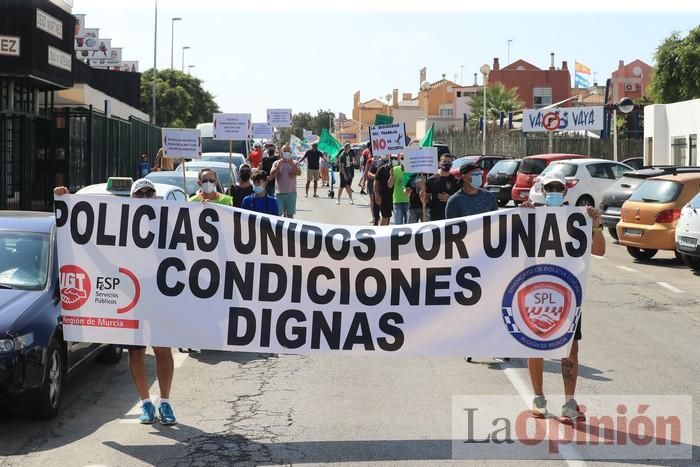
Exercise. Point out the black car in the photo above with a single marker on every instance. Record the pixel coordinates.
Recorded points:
(35, 360)
(615, 196)
(501, 179)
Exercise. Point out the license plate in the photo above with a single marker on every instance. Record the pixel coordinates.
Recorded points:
(633, 232)
(494, 188)
(688, 242)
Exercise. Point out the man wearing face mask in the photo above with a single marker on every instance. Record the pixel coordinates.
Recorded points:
(440, 187)
(266, 164)
(207, 190)
(554, 189)
(286, 171)
(471, 199)
(260, 201)
(243, 188)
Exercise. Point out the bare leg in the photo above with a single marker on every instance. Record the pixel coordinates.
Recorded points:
(315, 187)
(569, 371)
(536, 368)
(349, 190)
(137, 367)
(165, 368)
(308, 182)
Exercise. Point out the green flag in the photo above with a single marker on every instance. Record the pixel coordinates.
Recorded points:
(328, 144)
(380, 119)
(427, 140)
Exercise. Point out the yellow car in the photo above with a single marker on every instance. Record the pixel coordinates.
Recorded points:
(649, 216)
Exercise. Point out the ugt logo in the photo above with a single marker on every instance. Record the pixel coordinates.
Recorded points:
(75, 287)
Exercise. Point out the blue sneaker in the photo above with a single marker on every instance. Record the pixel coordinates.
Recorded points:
(148, 413)
(167, 417)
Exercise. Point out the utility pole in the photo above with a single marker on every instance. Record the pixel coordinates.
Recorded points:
(155, 68)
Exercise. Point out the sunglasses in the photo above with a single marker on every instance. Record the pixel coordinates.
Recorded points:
(144, 194)
(208, 180)
(554, 188)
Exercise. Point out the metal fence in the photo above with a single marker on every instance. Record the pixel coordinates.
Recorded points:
(517, 144)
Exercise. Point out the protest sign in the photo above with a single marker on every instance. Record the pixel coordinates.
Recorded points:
(182, 143)
(388, 139)
(279, 118)
(508, 283)
(232, 127)
(380, 119)
(262, 131)
(565, 119)
(420, 160)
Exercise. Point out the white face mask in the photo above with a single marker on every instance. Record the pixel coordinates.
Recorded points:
(287, 155)
(208, 187)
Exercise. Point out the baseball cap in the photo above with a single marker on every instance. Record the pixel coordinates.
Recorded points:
(553, 177)
(257, 145)
(140, 184)
(466, 168)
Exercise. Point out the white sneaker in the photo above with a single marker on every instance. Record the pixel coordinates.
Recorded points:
(337, 201)
(352, 202)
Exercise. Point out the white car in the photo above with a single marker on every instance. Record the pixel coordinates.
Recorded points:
(688, 234)
(121, 186)
(221, 169)
(586, 180)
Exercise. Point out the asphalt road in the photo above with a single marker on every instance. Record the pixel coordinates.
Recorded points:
(640, 336)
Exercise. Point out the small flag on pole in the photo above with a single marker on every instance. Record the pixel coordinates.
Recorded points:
(582, 77)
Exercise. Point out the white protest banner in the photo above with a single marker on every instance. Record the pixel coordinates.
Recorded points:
(232, 127)
(564, 119)
(263, 131)
(388, 139)
(306, 133)
(182, 143)
(205, 276)
(279, 118)
(420, 160)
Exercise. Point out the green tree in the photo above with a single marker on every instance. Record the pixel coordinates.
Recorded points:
(181, 101)
(498, 99)
(305, 121)
(676, 75)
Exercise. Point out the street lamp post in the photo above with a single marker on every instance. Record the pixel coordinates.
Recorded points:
(172, 40)
(189, 68)
(186, 47)
(425, 87)
(155, 68)
(485, 70)
(625, 105)
(388, 100)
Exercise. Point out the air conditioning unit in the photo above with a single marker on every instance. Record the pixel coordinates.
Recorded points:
(629, 87)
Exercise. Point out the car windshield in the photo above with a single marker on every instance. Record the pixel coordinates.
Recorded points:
(567, 170)
(175, 179)
(532, 166)
(24, 260)
(657, 191)
(463, 160)
(507, 167)
(695, 202)
(221, 172)
(236, 159)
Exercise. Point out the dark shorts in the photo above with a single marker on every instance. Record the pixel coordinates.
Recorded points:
(346, 182)
(133, 347)
(386, 209)
(577, 335)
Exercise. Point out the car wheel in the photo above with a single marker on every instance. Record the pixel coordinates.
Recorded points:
(641, 253)
(49, 396)
(693, 262)
(110, 354)
(613, 232)
(585, 200)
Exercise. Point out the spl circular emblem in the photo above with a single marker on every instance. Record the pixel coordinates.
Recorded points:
(541, 306)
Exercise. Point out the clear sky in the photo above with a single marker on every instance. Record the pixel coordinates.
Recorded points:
(311, 55)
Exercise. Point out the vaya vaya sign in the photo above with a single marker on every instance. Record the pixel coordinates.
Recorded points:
(206, 276)
(388, 139)
(564, 119)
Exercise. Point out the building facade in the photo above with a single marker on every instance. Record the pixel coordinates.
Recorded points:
(671, 133)
(631, 80)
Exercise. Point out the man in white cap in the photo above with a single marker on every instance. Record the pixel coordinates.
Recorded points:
(554, 190)
(165, 367)
(255, 156)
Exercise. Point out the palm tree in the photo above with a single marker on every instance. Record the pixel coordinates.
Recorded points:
(498, 99)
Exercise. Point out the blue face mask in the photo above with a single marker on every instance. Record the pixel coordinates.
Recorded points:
(477, 179)
(258, 189)
(554, 199)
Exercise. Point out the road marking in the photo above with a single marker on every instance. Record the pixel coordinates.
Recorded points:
(628, 269)
(567, 451)
(132, 416)
(668, 286)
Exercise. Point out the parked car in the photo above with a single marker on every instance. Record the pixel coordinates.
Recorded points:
(620, 191)
(237, 158)
(121, 186)
(442, 148)
(35, 360)
(586, 180)
(221, 169)
(173, 178)
(501, 179)
(688, 234)
(485, 163)
(635, 162)
(530, 168)
(649, 217)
